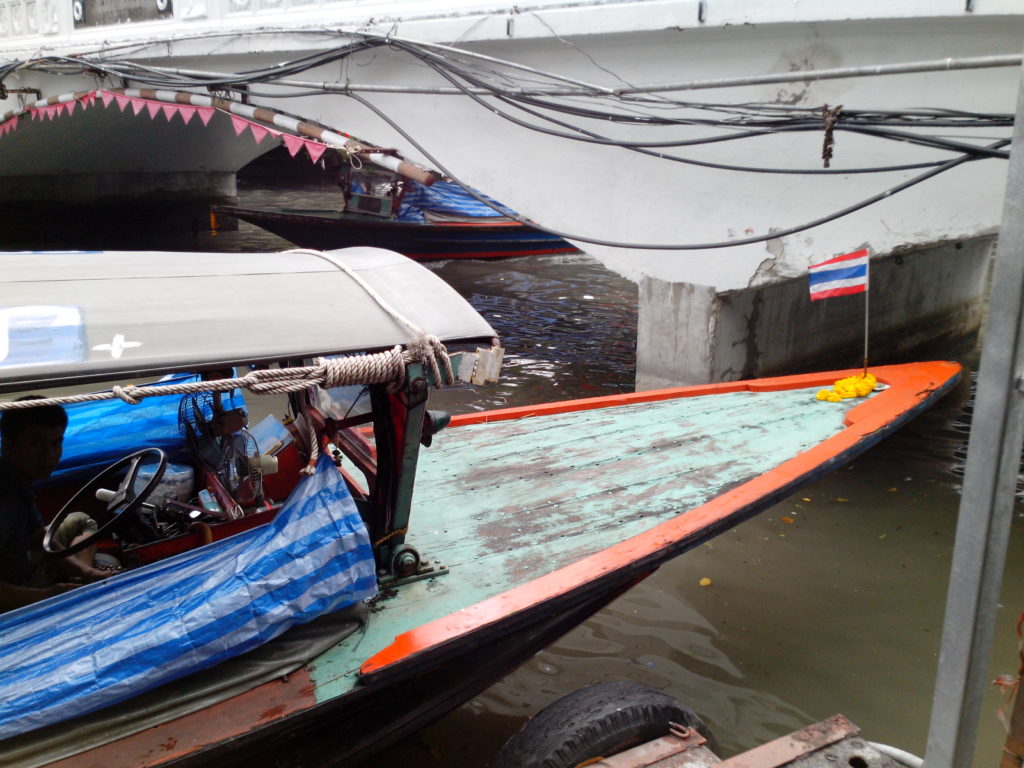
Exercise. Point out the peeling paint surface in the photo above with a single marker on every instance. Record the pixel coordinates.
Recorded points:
(502, 503)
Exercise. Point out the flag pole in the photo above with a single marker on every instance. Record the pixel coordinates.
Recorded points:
(867, 294)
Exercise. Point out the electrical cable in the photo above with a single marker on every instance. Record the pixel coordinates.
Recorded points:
(800, 126)
(752, 169)
(156, 76)
(805, 121)
(948, 165)
(474, 76)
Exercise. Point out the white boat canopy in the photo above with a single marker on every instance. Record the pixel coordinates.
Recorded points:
(77, 317)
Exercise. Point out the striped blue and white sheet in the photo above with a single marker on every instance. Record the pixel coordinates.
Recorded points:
(442, 197)
(108, 641)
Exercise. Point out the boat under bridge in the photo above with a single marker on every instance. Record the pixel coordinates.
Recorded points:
(708, 149)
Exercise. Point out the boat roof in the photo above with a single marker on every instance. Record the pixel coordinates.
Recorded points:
(77, 317)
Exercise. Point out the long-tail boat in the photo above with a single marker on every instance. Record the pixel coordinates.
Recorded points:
(424, 222)
(313, 563)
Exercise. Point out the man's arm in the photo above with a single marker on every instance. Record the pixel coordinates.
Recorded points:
(13, 596)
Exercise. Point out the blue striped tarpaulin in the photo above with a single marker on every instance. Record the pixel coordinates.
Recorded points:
(105, 642)
(442, 197)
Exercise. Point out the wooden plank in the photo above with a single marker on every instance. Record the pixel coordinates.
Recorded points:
(615, 475)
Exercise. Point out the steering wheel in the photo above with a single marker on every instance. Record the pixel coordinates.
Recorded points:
(122, 507)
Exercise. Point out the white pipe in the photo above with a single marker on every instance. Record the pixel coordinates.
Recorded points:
(899, 755)
(912, 67)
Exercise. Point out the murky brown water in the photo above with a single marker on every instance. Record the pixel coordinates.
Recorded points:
(831, 601)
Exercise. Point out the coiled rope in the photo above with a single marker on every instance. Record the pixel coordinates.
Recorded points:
(425, 346)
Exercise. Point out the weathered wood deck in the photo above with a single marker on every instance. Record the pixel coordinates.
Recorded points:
(509, 501)
(502, 503)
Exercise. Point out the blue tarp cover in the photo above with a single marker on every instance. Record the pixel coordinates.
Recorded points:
(105, 642)
(102, 432)
(441, 197)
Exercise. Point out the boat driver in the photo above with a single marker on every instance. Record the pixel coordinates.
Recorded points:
(31, 441)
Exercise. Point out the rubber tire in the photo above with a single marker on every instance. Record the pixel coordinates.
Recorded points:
(597, 721)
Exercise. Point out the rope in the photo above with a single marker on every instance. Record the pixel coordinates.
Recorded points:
(426, 348)
(396, 532)
(379, 368)
(314, 446)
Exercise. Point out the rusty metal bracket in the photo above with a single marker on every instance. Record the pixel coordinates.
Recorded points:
(5, 92)
(683, 747)
(689, 737)
(424, 571)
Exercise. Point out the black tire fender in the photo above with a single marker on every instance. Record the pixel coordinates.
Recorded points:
(597, 721)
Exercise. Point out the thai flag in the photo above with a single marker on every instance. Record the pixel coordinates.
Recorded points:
(839, 276)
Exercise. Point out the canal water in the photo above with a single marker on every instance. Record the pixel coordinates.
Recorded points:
(829, 602)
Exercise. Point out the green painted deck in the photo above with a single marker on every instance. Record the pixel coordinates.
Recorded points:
(502, 503)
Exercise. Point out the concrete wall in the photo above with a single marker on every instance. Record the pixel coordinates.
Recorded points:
(674, 328)
(169, 187)
(927, 298)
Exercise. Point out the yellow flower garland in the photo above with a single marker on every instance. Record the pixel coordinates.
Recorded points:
(851, 386)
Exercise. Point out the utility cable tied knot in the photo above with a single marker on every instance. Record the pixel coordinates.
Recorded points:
(830, 118)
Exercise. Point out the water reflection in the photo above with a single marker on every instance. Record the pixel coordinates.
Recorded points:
(561, 341)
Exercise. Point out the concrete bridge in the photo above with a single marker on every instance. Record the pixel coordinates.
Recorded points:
(640, 129)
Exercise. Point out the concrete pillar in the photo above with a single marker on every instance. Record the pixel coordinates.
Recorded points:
(922, 301)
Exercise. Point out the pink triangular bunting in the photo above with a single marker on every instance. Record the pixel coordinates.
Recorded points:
(51, 111)
(137, 105)
(61, 108)
(258, 132)
(71, 106)
(122, 101)
(169, 110)
(187, 113)
(205, 113)
(153, 107)
(33, 114)
(239, 124)
(315, 149)
(294, 143)
(106, 97)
